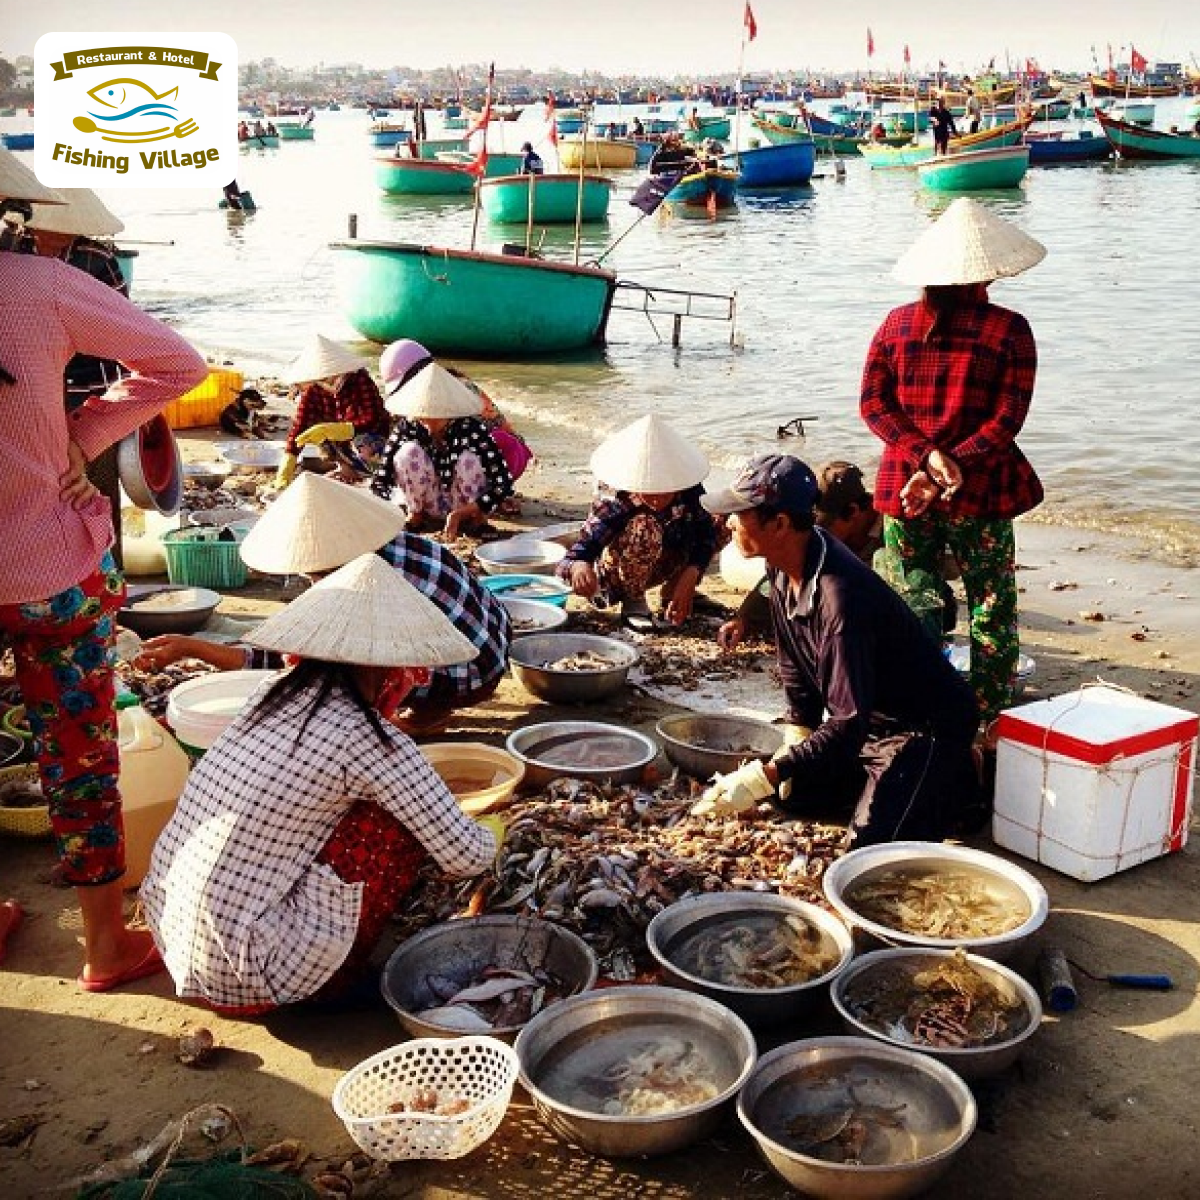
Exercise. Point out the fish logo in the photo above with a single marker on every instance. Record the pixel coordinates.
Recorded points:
(132, 100)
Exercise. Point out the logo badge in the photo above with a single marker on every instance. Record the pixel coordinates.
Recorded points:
(125, 110)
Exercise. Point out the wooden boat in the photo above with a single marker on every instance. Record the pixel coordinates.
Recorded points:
(846, 142)
(890, 157)
(787, 165)
(432, 147)
(1120, 88)
(615, 154)
(259, 141)
(384, 134)
(471, 302)
(975, 170)
(1149, 145)
(295, 132)
(9, 110)
(125, 257)
(402, 175)
(1135, 112)
(545, 199)
(713, 187)
(1066, 146)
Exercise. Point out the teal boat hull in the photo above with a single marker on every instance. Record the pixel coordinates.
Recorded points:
(553, 199)
(976, 170)
(400, 175)
(472, 303)
(125, 259)
(1147, 145)
(297, 133)
(710, 127)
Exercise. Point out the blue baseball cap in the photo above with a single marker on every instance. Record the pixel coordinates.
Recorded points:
(775, 479)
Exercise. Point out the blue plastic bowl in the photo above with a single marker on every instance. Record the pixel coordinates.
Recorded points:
(545, 588)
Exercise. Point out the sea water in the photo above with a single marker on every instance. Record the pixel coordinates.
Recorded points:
(1114, 307)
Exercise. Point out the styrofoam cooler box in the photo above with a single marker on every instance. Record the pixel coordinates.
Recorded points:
(1095, 781)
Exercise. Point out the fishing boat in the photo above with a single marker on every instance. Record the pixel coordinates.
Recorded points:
(787, 165)
(383, 133)
(846, 142)
(259, 141)
(1121, 88)
(883, 157)
(1135, 112)
(432, 147)
(609, 154)
(545, 199)
(975, 170)
(1150, 145)
(702, 128)
(293, 131)
(471, 302)
(402, 175)
(1066, 146)
(709, 188)
(17, 141)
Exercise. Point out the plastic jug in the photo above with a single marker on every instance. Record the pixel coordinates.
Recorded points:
(154, 768)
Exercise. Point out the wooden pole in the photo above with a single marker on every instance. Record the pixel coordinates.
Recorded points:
(529, 213)
(587, 120)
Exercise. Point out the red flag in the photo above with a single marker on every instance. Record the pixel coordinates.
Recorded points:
(1136, 61)
(870, 43)
(751, 24)
(479, 165)
(552, 130)
(907, 56)
(484, 118)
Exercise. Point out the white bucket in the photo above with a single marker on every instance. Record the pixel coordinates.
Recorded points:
(201, 709)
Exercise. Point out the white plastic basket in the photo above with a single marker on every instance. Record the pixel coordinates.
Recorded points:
(481, 1070)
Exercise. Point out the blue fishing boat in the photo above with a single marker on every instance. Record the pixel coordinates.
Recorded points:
(711, 188)
(383, 134)
(17, 141)
(1066, 146)
(783, 165)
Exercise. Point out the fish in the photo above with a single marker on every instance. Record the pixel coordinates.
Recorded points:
(116, 93)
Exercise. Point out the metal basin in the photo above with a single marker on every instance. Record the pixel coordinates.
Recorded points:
(154, 608)
(851, 994)
(150, 467)
(705, 745)
(673, 937)
(1002, 880)
(589, 750)
(460, 950)
(916, 1113)
(578, 1058)
(528, 656)
(520, 556)
(533, 616)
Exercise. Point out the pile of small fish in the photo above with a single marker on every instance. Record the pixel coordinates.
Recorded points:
(603, 860)
(583, 660)
(495, 998)
(153, 688)
(936, 903)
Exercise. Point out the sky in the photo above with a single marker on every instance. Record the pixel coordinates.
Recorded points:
(645, 37)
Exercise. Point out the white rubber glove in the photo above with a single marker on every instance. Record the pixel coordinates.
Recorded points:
(736, 792)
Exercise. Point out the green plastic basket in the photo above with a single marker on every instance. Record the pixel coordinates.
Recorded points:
(197, 559)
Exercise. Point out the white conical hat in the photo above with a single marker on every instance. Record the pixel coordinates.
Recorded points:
(18, 182)
(83, 215)
(322, 358)
(319, 524)
(968, 244)
(649, 456)
(366, 613)
(434, 392)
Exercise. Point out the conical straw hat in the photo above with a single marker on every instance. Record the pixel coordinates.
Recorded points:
(967, 244)
(319, 524)
(368, 614)
(83, 215)
(322, 358)
(18, 182)
(649, 456)
(434, 392)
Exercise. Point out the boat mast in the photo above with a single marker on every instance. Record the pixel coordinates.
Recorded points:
(484, 119)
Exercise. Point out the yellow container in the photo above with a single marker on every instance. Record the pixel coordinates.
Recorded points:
(203, 405)
(481, 777)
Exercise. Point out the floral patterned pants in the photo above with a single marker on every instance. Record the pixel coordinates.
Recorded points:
(635, 561)
(986, 552)
(418, 488)
(63, 647)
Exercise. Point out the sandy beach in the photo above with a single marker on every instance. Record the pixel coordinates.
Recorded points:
(1100, 1105)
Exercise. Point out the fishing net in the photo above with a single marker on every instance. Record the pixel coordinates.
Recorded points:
(221, 1178)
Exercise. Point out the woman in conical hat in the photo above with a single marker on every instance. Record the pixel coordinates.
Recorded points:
(947, 385)
(646, 527)
(337, 405)
(441, 463)
(306, 821)
(60, 587)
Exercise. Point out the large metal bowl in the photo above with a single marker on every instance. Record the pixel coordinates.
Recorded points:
(851, 991)
(671, 938)
(460, 950)
(931, 1107)
(528, 657)
(533, 616)
(150, 467)
(567, 1051)
(704, 745)
(154, 608)
(553, 749)
(1001, 878)
(520, 556)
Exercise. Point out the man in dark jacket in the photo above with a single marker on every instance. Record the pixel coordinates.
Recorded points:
(892, 721)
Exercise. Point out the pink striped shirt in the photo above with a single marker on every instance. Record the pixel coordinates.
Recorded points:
(49, 312)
